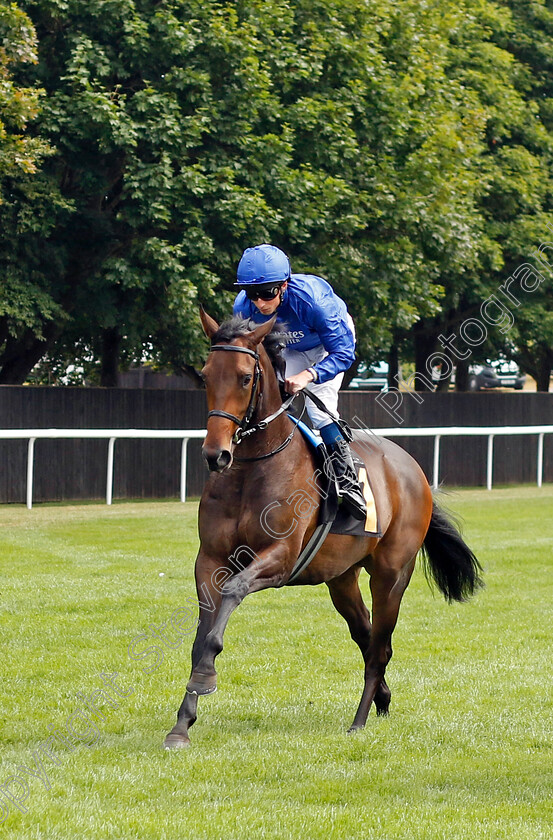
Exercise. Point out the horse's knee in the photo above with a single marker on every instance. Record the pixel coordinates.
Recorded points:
(236, 589)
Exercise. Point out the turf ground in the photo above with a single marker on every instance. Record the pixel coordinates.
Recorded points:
(466, 753)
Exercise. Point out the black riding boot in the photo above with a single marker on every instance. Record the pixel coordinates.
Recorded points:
(348, 486)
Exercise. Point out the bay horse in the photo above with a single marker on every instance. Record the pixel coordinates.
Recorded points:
(259, 461)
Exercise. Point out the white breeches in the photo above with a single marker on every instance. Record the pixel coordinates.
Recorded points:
(298, 360)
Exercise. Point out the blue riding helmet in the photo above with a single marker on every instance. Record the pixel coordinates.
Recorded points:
(263, 265)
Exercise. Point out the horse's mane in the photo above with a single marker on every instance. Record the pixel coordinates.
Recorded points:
(273, 343)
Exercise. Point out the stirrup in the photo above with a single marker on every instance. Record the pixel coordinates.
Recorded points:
(353, 501)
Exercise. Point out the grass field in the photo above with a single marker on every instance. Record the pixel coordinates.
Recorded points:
(466, 753)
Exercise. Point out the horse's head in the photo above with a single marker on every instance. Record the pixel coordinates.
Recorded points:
(232, 379)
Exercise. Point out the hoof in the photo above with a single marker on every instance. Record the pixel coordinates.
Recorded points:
(176, 742)
(201, 684)
(353, 729)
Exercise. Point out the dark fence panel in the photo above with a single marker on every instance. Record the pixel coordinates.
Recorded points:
(463, 459)
(76, 469)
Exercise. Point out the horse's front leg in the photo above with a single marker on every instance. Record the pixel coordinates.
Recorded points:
(268, 568)
(209, 601)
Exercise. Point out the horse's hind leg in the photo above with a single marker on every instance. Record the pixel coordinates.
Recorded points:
(346, 597)
(389, 580)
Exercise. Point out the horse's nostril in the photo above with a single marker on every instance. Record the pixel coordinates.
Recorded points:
(224, 459)
(219, 460)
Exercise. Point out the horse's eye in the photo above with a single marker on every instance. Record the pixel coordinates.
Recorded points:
(247, 379)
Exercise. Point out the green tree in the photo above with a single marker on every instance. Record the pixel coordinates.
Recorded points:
(501, 56)
(20, 156)
(351, 135)
(143, 208)
(388, 141)
(19, 152)
(530, 41)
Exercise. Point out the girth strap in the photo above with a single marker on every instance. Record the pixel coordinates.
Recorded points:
(318, 537)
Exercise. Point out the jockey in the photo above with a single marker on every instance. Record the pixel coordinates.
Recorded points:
(321, 345)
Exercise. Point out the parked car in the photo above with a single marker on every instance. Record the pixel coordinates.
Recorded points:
(499, 374)
(371, 377)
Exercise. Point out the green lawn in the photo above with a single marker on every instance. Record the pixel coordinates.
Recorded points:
(466, 753)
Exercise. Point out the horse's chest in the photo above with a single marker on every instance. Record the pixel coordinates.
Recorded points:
(237, 518)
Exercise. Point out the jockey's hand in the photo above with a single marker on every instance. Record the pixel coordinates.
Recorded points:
(296, 383)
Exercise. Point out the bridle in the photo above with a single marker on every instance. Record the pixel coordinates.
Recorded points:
(243, 423)
(244, 429)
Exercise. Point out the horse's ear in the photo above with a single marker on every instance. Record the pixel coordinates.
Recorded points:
(256, 336)
(209, 324)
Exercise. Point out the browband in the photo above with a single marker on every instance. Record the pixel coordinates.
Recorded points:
(236, 349)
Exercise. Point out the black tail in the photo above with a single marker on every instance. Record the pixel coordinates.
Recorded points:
(449, 560)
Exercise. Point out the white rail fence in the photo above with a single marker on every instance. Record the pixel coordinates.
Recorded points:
(483, 431)
(184, 435)
(111, 435)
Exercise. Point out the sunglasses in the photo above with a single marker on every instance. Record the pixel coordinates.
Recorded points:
(263, 294)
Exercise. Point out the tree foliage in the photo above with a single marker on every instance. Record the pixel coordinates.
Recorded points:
(402, 150)
(496, 62)
(19, 152)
